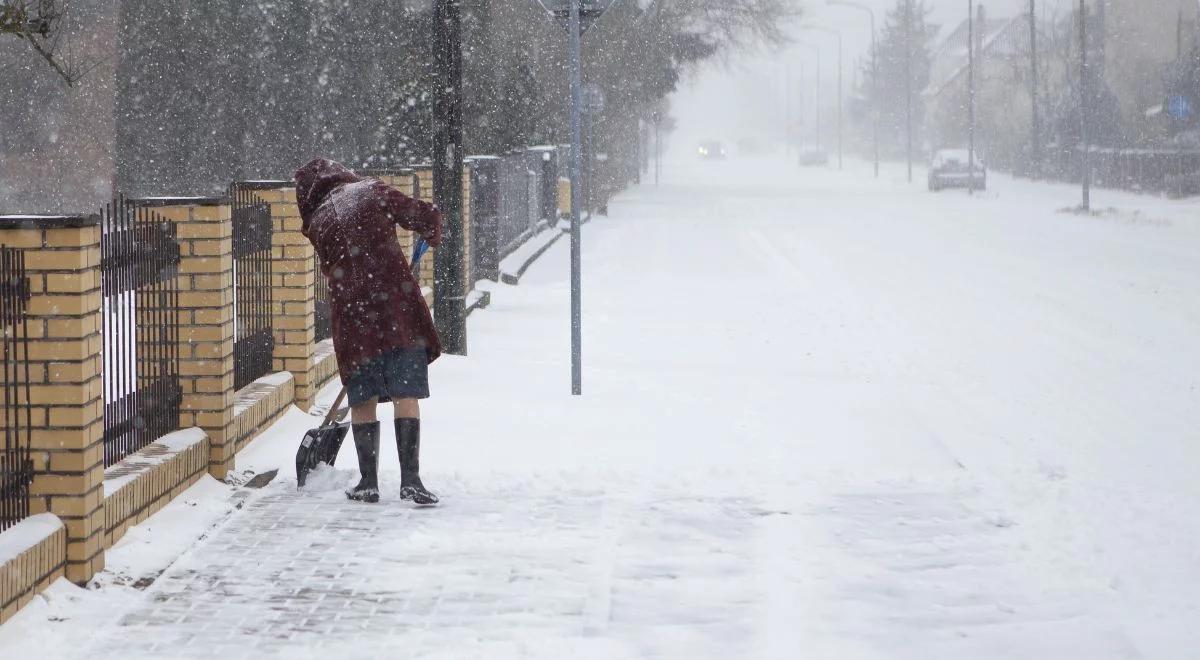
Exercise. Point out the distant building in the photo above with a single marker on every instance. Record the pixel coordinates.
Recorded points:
(1133, 44)
(1002, 83)
(1141, 38)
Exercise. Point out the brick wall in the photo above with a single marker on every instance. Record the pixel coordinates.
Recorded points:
(63, 265)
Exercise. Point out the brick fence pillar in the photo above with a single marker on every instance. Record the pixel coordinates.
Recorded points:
(205, 233)
(62, 261)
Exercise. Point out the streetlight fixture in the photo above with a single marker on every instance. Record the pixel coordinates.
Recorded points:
(841, 91)
(874, 73)
(578, 16)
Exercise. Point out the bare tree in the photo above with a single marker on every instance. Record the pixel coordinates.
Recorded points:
(725, 24)
(40, 23)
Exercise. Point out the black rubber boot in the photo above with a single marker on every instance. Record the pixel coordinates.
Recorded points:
(366, 442)
(408, 445)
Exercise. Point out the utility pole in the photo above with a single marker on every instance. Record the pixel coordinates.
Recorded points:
(657, 147)
(449, 288)
(1085, 157)
(971, 97)
(841, 91)
(908, 56)
(637, 155)
(1035, 142)
(875, 114)
(576, 47)
(841, 98)
(819, 147)
(874, 74)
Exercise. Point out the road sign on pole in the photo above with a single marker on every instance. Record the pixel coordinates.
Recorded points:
(590, 11)
(1179, 107)
(593, 99)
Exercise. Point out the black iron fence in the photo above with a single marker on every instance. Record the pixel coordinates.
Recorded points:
(16, 465)
(254, 340)
(140, 324)
(485, 217)
(1163, 171)
(324, 316)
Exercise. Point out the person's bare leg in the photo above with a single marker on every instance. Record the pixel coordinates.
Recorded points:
(408, 446)
(363, 413)
(407, 408)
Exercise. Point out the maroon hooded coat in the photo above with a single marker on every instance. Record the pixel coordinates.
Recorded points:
(375, 302)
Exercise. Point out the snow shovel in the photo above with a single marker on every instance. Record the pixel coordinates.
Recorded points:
(322, 444)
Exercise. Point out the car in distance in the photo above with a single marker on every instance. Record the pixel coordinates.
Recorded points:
(949, 169)
(813, 156)
(712, 150)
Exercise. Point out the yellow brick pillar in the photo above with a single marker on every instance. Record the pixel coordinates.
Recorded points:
(205, 233)
(468, 250)
(62, 261)
(293, 305)
(424, 189)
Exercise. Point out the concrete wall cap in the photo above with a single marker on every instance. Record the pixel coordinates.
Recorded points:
(181, 201)
(48, 221)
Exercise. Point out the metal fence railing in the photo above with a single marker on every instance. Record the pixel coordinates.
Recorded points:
(1164, 171)
(324, 316)
(139, 262)
(485, 217)
(520, 200)
(16, 465)
(254, 341)
(513, 197)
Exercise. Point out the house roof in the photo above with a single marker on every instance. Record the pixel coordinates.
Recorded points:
(1003, 38)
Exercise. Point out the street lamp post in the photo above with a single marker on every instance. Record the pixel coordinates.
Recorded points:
(1085, 163)
(874, 74)
(577, 15)
(908, 83)
(841, 91)
(971, 97)
(816, 52)
(1036, 122)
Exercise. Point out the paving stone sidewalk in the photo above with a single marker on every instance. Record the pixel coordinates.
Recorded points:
(528, 568)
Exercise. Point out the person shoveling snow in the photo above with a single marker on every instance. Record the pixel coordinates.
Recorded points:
(383, 333)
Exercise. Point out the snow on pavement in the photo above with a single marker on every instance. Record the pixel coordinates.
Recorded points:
(824, 417)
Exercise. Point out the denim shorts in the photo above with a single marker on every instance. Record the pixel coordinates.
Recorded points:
(399, 374)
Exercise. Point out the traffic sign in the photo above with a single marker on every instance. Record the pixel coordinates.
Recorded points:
(589, 10)
(593, 99)
(1179, 107)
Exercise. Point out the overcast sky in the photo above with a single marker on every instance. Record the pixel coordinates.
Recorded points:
(749, 93)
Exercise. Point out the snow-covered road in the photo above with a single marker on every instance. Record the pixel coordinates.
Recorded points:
(824, 417)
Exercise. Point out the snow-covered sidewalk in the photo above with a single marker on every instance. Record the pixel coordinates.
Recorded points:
(824, 417)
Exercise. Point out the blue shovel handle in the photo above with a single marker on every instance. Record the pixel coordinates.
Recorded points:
(419, 250)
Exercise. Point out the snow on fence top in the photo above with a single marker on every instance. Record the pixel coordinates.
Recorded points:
(26, 534)
(24, 221)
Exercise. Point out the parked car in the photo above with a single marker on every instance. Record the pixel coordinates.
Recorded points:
(813, 156)
(712, 150)
(949, 169)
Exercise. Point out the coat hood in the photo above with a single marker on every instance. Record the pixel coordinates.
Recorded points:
(316, 180)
